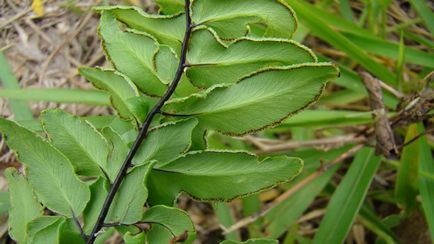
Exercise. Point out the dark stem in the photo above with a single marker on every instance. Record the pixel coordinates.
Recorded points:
(80, 228)
(144, 130)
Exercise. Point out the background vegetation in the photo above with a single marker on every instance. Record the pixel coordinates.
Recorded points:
(345, 192)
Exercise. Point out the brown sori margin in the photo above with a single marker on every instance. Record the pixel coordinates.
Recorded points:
(144, 130)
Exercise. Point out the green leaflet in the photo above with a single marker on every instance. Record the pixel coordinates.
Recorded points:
(122, 127)
(70, 233)
(230, 19)
(23, 205)
(45, 229)
(252, 241)
(127, 207)
(176, 221)
(213, 62)
(131, 54)
(105, 236)
(4, 202)
(98, 192)
(259, 100)
(236, 18)
(159, 234)
(131, 238)
(348, 198)
(166, 29)
(53, 229)
(199, 138)
(49, 172)
(166, 64)
(78, 140)
(118, 152)
(218, 175)
(185, 88)
(166, 142)
(170, 6)
(125, 97)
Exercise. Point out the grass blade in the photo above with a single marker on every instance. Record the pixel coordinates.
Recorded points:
(420, 39)
(348, 198)
(283, 215)
(286, 213)
(391, 50)
(425, 13)
(321, 29)
(252, 205)
(400, 63)
(406, 186)
(365, 39)
(60, 95)
(19, 108)
(369, 219)
(226, 218)
(352, 81)
(346, 11)
(426, 182)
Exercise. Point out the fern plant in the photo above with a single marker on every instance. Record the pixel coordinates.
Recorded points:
(225, 66)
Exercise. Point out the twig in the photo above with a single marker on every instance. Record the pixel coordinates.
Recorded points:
(262, 140)
(416, 109)
(16, 17)
(317, 173)
(2, 49)
(250, 219)
(416, 138)
(80, 26)
(324, 142)
(144, 130)
(383, 131)
(390, 89)
(38, 31)
(312, 215)
(256, 142)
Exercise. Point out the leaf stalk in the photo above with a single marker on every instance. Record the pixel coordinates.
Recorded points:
(144, 129)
